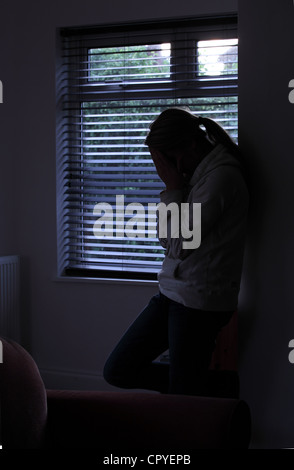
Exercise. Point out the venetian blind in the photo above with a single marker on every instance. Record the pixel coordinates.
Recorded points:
(112, 83)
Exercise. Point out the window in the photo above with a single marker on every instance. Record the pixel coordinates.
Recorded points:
(112, 82)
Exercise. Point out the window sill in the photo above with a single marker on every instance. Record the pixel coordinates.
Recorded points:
(101, 280)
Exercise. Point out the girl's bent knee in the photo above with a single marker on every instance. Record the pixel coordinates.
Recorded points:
(114, 377)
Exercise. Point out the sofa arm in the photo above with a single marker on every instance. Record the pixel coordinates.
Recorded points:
(146, 421)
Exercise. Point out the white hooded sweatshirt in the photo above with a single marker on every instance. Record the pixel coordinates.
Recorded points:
(208, 277)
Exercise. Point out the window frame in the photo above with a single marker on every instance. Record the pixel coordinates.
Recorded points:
(160, 32)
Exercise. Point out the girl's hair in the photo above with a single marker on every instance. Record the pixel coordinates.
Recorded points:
(176, 127)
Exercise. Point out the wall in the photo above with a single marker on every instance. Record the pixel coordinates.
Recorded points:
(7, 160)
(70, 327)
(266, 32)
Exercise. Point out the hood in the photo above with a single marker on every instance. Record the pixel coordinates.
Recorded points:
(219, 156)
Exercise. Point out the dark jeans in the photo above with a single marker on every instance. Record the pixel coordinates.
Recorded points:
(187, 333)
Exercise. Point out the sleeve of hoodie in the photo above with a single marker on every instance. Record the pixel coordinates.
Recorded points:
(217, 191)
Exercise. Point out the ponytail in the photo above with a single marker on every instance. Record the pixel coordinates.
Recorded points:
(219, 136)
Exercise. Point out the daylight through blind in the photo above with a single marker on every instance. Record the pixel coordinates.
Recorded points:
(113, 84)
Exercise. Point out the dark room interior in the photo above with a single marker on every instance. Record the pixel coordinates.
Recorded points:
(70, 323)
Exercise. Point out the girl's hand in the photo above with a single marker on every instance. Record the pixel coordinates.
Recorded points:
(167, 171)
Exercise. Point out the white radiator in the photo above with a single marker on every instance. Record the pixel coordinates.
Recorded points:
(9, 297)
